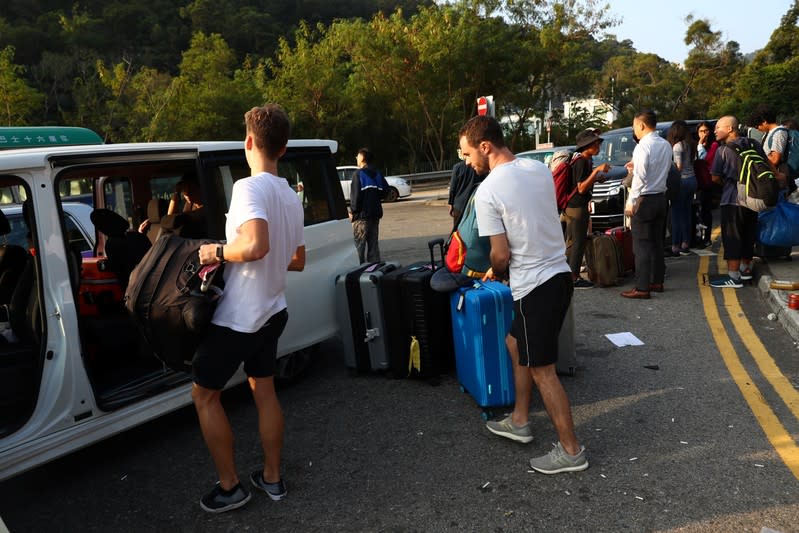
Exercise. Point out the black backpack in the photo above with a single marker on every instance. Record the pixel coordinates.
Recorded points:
(758, 188)
(166, 301)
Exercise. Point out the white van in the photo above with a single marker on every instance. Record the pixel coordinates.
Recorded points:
(73, 367)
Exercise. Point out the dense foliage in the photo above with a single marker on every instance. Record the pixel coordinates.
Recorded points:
(398, 75)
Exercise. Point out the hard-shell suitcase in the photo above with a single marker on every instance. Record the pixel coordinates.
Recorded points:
(100, 292)
(481, 319)
(603, 257)
(566, 364)
(361, 316)
(625, 239)
(414, 310)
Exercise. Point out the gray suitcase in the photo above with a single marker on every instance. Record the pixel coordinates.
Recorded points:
(360, 311)
(566, 364)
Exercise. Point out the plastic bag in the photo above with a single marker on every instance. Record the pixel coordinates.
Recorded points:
(779, 226)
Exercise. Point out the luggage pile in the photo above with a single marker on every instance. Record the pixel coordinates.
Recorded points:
(392, 321)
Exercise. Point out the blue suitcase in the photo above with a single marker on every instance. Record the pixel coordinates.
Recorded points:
(481, 318)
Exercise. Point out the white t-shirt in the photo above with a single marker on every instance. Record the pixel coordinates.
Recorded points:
(255, 290)
(518, 199)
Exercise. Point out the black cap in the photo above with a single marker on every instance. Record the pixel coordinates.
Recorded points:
(586, 138)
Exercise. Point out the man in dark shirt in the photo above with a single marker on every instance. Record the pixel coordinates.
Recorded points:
(738, 223)
(576, 213)
(367, 190)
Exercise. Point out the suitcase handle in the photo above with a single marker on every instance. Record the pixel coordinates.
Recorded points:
(431, 245)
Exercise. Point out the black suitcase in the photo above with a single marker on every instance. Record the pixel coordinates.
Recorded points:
(413, 309)
(360, 316)
(169, 302)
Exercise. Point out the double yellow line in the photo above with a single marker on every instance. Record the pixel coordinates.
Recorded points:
(775, 431)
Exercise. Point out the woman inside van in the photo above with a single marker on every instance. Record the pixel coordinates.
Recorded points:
(683, 145)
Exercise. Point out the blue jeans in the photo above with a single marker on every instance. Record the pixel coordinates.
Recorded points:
(681, 230)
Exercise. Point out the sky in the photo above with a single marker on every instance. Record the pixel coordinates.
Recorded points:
(658, 26)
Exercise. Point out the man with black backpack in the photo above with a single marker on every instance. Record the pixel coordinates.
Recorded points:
(738, 223)
(264, 232)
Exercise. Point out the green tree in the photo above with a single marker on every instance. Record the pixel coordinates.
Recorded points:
(18, 101)
(772, 77)
(709, 61)
(208, 98)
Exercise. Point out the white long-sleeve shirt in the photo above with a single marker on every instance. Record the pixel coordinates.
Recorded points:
(651, 161)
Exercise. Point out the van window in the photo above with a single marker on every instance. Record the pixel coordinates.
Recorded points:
(77, 242)
(305, 173)
(118, 197)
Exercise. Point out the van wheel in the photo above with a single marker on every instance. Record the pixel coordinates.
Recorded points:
(392, 195)
(291, 367)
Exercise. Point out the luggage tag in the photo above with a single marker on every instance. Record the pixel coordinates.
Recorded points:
(206, 275)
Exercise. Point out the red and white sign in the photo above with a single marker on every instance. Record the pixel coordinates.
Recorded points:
(482, 106)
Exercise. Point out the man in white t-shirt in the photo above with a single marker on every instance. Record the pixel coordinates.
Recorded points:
(516, 209)
(264, 233)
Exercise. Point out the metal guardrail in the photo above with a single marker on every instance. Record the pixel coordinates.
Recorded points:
(426, 179)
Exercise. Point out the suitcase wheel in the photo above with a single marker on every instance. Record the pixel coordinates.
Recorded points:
(486, 415)
(462, 389)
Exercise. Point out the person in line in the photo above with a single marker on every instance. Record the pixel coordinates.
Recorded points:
(706, 150)
(738, 223)
(576, 213)
(775, 141)
(367, 190)
(646, 205)
(683, 147)
(516, 210)
(462, 184)
(264, 232)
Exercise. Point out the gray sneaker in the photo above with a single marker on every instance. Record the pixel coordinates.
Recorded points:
(558, 461)
(506, 428)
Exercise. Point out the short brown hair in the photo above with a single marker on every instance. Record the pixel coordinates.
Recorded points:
(482, 128)
(270, 127)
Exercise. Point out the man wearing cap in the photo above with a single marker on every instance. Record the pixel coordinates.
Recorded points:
(576, 212)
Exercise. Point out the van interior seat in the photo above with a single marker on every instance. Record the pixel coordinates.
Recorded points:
(156, 211)
(123, 247)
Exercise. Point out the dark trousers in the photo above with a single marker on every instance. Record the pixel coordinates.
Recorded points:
(366, 237)
(576, 229)
(648, 225)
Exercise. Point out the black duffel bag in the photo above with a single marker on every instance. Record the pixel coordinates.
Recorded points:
(170, 302)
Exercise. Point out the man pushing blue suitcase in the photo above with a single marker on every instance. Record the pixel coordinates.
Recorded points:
(516, 209)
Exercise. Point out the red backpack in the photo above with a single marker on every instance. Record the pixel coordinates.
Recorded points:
(561, 166)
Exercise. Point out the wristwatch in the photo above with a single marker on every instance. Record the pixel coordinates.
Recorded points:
(220, 253)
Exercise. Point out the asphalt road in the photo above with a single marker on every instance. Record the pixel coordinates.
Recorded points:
(672, 443)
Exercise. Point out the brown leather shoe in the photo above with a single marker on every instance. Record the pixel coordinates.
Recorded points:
(636, 294)
(656, 287)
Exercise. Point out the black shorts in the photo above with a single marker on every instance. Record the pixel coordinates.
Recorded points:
(538, 318)
(223, 350)
(738, 232)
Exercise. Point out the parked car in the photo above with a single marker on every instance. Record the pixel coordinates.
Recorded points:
(609, 197)
(77, 225)
(398, 187)
(545, 154)
(75, 368)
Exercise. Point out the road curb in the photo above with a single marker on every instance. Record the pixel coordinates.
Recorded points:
(777, 300)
